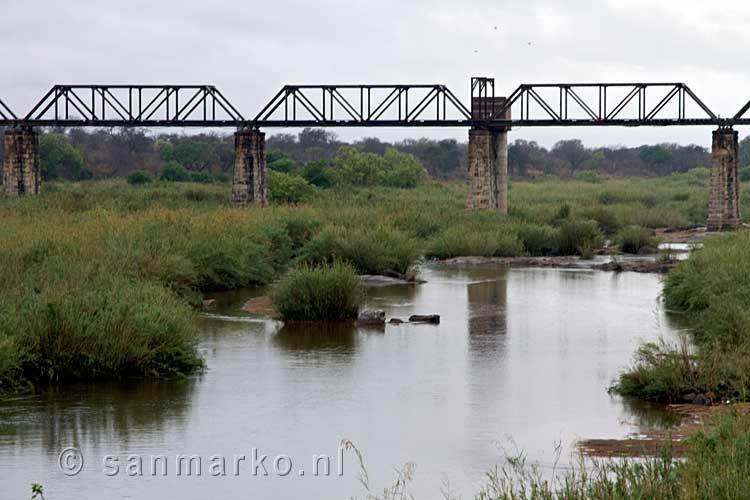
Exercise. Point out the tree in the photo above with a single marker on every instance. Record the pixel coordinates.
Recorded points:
(400, 170)
(59, 158)
(279, 162)
(524, 156)
(286, 188)
(745, 151)
(174, 172)
(357, 168)
(318, 173)
(656, 157)
(571, 152)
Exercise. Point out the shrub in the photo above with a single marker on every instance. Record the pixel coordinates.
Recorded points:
(279, 162)
(201, 177)
(745, 174)
(400, 170)
(538, 240)
(577, 236)
(324, 293)
(287, 188)
(371, 250)
(588, 176)
(318, 173)
(139, 177)
(463, 241)
(59, 158)
(631, 239)
(606, 218)
(174, 172)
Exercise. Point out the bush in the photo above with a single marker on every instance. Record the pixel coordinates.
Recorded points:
(139, 177)
(400, 170)
(577, 237)
(464, 242)
(79, 325)
(174, 172)
(318, 173)
(588, 176)
(200, 177)
(59, 159)
(286, 188)
(371, 250)
(538, 240)
(745, 174)
(606, 218)
(631, 239)
(324, 293)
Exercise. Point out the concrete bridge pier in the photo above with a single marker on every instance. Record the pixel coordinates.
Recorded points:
(21, 174)
(249, 181)
(487, 174)
(724, 204)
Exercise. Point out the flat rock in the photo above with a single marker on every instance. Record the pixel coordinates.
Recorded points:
(380, 280)
(425, 318)
(396, 321)
(209, 303)
(371, 317)
(262, 306)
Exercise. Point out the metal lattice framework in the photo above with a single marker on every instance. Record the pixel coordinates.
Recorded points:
(431, 105)
(622, 104)
(363, 105)
(5, 113)
(134, 105)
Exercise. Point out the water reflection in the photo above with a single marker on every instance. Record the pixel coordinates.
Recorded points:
(338, 339)
(487, 316)
(95, 414)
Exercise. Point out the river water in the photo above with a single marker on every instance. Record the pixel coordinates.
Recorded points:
(520, 361)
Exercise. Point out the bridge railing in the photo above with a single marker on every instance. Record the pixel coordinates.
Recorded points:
(628, 104)
(363, 105)
(128, 105)
(5, 112)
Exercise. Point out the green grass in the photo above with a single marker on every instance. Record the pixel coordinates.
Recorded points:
(324, 293)
(716, 466)
(712, 291)
(632, 238)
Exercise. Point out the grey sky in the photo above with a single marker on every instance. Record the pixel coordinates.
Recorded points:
(250, 48)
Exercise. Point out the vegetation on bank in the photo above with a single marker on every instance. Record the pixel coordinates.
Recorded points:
(712, 290)
(715, 466)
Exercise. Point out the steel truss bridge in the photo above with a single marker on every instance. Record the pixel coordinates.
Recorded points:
(404, 105)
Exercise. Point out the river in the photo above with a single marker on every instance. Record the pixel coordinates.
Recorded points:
(521, 360)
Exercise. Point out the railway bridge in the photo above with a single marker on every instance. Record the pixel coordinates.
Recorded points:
(488, 117)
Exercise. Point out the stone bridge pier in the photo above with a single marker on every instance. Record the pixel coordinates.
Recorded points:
(249, 181)
(487, 165)
(21, 174)
(724, 203)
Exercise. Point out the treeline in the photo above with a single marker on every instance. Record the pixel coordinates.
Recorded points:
(102, 153)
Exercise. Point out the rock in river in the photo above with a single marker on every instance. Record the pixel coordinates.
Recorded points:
(371, 317)
(427, 318)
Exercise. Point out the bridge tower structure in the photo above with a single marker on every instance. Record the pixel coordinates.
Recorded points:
(21, 173)
(724, 201)
(487, 165)
(249, 183)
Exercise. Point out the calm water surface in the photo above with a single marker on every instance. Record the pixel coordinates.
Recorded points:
(521, 356)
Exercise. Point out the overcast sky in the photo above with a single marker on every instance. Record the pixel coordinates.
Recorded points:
(250, 48)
